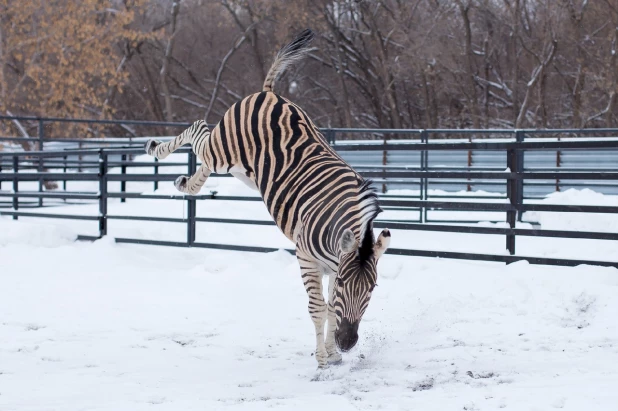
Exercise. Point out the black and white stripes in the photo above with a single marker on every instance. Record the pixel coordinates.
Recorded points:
(317, 200)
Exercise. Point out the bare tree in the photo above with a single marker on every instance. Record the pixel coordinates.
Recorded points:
(166, 62)
(224, 61)
(377, 63)
(534, 79)
(464, 9)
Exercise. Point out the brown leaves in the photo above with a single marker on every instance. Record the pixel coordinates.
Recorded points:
(64, 55)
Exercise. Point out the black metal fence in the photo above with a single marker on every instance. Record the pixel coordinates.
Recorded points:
(462, 160)
(17, 167)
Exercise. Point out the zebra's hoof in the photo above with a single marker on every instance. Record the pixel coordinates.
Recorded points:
(181, 183)
(151, 145)
(335, 359)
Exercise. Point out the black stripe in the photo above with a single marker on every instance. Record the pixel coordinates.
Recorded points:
(211, 148)
(298, 162)
(279, 159)
(238, 117)
(226, 151)
(268, 160)
(255, 127)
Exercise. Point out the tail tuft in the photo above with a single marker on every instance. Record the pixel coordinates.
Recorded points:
(289, 54)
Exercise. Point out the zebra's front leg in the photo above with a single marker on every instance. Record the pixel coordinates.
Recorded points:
(312, 279)
(334, 357)
(192, 185)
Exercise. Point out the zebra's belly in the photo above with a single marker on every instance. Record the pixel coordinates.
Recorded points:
(246, 180)
(240, 173)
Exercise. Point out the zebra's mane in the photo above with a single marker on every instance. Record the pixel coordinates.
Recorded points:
(370, 208)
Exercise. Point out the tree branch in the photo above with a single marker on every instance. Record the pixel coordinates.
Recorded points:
(537, 73)
(229, 54)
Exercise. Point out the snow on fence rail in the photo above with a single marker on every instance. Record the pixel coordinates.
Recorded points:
(26, 167)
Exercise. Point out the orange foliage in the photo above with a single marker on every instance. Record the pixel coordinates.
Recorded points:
(62, 58)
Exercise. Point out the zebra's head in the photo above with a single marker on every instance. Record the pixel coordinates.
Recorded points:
(356, 278)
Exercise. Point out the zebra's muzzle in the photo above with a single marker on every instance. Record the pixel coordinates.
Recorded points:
(346, 335)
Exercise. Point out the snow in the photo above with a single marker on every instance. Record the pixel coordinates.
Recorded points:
(578, 221)
(106, 326)
(121, 327)
(37, 234)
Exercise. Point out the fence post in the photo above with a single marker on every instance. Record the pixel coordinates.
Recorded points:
(15, 185)
(156, 171)
(191, 204)
(558, 163)
(123, 171)
(520, 135)
(423, 196)
(79, 157)
(513, 195)
(329, 136)
(384, 163)
(40, 163)
(64, 169)
(102, 193)
(469, 186)
(426, 152)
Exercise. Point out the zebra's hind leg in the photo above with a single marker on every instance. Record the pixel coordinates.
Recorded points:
(192, 185)
(161, 150)
(312, 279)
(151, 146)
(334, 357)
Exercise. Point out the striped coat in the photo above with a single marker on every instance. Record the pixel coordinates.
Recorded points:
(317, 200)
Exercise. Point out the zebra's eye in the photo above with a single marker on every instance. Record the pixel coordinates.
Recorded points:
(372, 287)
(339, 282)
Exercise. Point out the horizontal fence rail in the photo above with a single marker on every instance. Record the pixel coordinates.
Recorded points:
(511, 173)
(386, 152)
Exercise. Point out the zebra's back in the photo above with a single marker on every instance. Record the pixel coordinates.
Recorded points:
(277, 147)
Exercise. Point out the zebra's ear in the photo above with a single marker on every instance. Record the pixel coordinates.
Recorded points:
(382, 243)
(348, 242)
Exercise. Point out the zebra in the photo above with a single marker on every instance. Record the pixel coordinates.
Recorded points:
(317, 200)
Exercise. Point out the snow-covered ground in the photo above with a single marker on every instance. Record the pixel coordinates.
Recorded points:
(105, 326)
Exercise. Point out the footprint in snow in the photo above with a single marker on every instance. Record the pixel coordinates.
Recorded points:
(580, 311)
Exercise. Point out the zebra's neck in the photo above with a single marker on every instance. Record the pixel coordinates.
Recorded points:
(354, 210)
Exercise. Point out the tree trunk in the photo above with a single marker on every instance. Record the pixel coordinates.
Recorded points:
(487, 71)
(387, 81)
(577, 96)
(169, 114)
(2, 80)
(232, 9)
(428, 106)
(464, 10)
(229, 54)
(344, 89)
(542, 99)
(613, 74)
(514, 61)
(536, 75)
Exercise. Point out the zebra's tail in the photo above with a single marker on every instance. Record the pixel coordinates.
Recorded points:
(289, 54)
